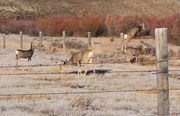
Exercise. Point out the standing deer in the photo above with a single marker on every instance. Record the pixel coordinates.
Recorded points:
(130, 34)
(81, 57)
(20, 53)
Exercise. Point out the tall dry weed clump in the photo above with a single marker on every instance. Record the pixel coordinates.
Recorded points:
(82, 102)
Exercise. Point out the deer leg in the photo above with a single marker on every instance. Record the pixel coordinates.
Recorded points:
(137, 62)
(93, 65)
(94, 70)
(122, 47)
(17, 61)
(125, 45)
(86, 69)
(61, 68)
(30, 61)
(79, 68)
(17, 64)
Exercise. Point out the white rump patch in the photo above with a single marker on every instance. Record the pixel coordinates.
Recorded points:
(125, 36)
(16, 52)
(90, 54)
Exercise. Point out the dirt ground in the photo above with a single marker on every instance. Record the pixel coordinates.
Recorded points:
(107, 78)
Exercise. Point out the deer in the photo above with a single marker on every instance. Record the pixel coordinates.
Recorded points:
(79, 58)
(21, 53)
(132, 54)
(130, 34)
(149, 49)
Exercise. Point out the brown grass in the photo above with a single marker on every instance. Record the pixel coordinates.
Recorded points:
(171, 53)
(8, 98)
(58, 8)
(70, 45)
(82, 102)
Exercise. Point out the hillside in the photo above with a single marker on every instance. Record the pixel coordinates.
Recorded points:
(29, 9)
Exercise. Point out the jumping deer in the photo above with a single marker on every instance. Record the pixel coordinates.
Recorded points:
(130, 34)
(79, 58)
(21, 53)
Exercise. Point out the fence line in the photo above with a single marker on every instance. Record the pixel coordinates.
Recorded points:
(100, 72)
(87, 92)
(47, 65)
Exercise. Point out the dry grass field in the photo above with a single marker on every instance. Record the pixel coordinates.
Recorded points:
(58, 8)
(136, 103)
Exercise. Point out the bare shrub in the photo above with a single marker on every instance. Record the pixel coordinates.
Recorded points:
(82, 102)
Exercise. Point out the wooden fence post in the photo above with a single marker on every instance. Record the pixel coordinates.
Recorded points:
(64, 37)
(122, 36)
(162, 71)
(4, 41)
(21, 40)
(40, 36)
(89, 39)
(121, 39)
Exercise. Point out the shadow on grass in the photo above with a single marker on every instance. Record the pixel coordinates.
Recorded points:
(99, 72)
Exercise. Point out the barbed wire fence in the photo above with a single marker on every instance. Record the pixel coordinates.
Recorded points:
(101, 63)
(155, 72)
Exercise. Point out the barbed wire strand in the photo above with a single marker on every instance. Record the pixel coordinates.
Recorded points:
(48, 65)
(98, 72)
(88, 92)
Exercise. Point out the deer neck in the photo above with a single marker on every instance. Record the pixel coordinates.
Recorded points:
(69, 62)
(32, 47)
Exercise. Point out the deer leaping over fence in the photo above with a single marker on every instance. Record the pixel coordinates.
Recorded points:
(130, 34)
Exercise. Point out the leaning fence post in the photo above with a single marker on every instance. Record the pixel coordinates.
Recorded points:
(162, 71)
(89, 39)
(40, 36)
(4, 41)
(21, 40)
(64, 35)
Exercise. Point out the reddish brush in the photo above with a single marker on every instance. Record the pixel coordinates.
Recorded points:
(98, 26)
